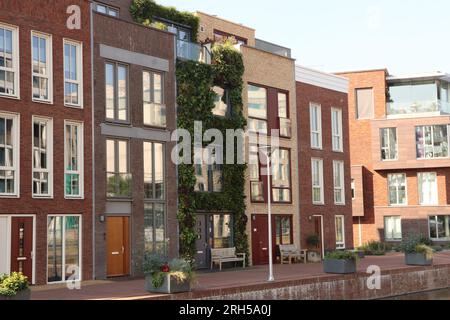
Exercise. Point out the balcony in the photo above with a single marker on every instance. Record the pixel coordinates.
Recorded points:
(118, 185)
(193, 51)
(155, 115)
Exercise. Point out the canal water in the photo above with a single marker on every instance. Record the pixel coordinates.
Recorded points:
(431, 295)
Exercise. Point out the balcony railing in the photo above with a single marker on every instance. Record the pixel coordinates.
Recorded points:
(417, 107)
(155, 115)
(118, 185)
(193, 51)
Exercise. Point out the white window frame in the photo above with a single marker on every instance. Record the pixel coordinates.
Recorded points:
(63, 249)
(340, 245)
(16, 154)
(397, 187)
(320, 185)
(337, 132)
(49, 170)
(317, 132)
(107, 9)
(16, 61)
(437, 230)
(80, 148)
(49, 63)
(385, 231)
(435, 187)
(79, 81)
(432, 126)
(341, 177)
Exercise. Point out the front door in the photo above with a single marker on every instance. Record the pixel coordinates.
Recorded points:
(118, 246)
(260, 241)
(201, 258)
(318, 231)
(22, 246)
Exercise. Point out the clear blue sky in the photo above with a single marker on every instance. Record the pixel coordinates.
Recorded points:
(339, 35)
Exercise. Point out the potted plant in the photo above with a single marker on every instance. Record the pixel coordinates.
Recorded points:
(340, 262)
(313, 242)
(14, 287)
(162, 276)
(417, 253)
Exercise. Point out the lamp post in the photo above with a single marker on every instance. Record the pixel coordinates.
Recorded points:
(269, 211)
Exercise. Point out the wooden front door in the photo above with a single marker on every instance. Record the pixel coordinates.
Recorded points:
(260, 241)
(201, 258)
(118, 247)
(22, 246)
(318, 232)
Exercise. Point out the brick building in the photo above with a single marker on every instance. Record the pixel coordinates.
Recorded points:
(45, 140)
(324, 160)
(399, 155)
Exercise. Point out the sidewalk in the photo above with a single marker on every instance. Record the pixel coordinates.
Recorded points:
(134, 289)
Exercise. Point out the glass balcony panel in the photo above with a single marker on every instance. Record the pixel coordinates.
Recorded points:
(193, 51)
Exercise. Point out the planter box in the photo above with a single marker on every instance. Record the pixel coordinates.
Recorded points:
(314, 256)
(417, 259)
(339, 266)
(170, 285)
(21, 295)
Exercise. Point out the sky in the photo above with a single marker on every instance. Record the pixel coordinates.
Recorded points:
(342, 35)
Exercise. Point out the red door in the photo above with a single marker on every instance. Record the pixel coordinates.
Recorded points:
(260, 241)
(22, 246)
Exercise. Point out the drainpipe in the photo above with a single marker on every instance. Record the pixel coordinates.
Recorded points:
(360, 231)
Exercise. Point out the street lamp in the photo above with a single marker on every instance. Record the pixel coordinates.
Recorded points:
(266, 151)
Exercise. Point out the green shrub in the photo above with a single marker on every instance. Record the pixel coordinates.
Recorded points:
(417, 244)
(13, 284)
(313, 240)
(374, 248)
(342, 255)
(158, 267)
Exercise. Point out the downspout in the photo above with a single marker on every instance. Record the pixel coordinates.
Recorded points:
(360, 231)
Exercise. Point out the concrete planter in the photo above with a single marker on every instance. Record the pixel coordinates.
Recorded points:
(417, 259)
(21, 295)
(170, 285)
(336, 266)
(314, 256)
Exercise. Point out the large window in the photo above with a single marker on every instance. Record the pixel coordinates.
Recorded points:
(397, 189)
(336, 130)
(281, 175)
(340, 232)
(116, 92)
(339, 178)
(102, 8)
(73, 159)
(118, 177)
(439, 228)
(222, 224)
(208, 176)
(432, 141)
(9, 154)
(154, 170)
(393, 228)
(257, 109)
(154, 108)
(256, 185)
(283, 230)
(9, 61)
(317, 181)
(364, 103)
(283, 115)
(63, 248)
(413, 97)
(42, 157)
(155, 228)
(315, 113)
(42, 67)
(73, 74)
(388, 141)
(428, 189)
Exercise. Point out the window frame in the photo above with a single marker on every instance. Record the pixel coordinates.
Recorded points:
(154, 242)
(340, 134)
(341, 188)
(108, 8)
(432, 137)
(116, 141)
(79, 81)
(321, 181)
(258, 119)
(209, 170)
(438, 239)
(342, 244)
(80, 171)
(274, 188)
(15, 32)
(116, 66)
(318, 132)
(153, 157)
(287, 117)
(152, 97)
(49, 64)
(435, 187)
(49, 170)
(386, 148)
(254, 151)
(386, 238)
(397, 190)
(357, 103)
(15, 117)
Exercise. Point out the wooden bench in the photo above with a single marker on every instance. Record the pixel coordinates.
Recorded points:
(290, 251)
(219, 256)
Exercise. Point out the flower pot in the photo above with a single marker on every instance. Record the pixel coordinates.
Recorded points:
(417, 259)
(314, 256)
(21, 295)
(170, 285)
(339, 266)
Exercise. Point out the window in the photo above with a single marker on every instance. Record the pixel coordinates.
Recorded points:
(340, 232)
(409, 98)
(116, 92)
(339, 178)
(155, 228)
(73, 159)
(9, 61)
(283, 230)
(353, 189)
(42, 157)
(154, 108)
(397, 189)
(102, 8)
(222, 231)
(256, 185)
(63, 248)
(392, 228)
(428, 189)
(281, 175)
(9, 154)
(364, 103)
(73, 74)
(432, 142)
(208, 176)
(257, 109)
(317, 181)
(154, 170)
(388, 137)
(220, 102)
(336, 128)
(118, 175)
(42, 67)
(439, 228)
(283, 116)
(315, 112)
